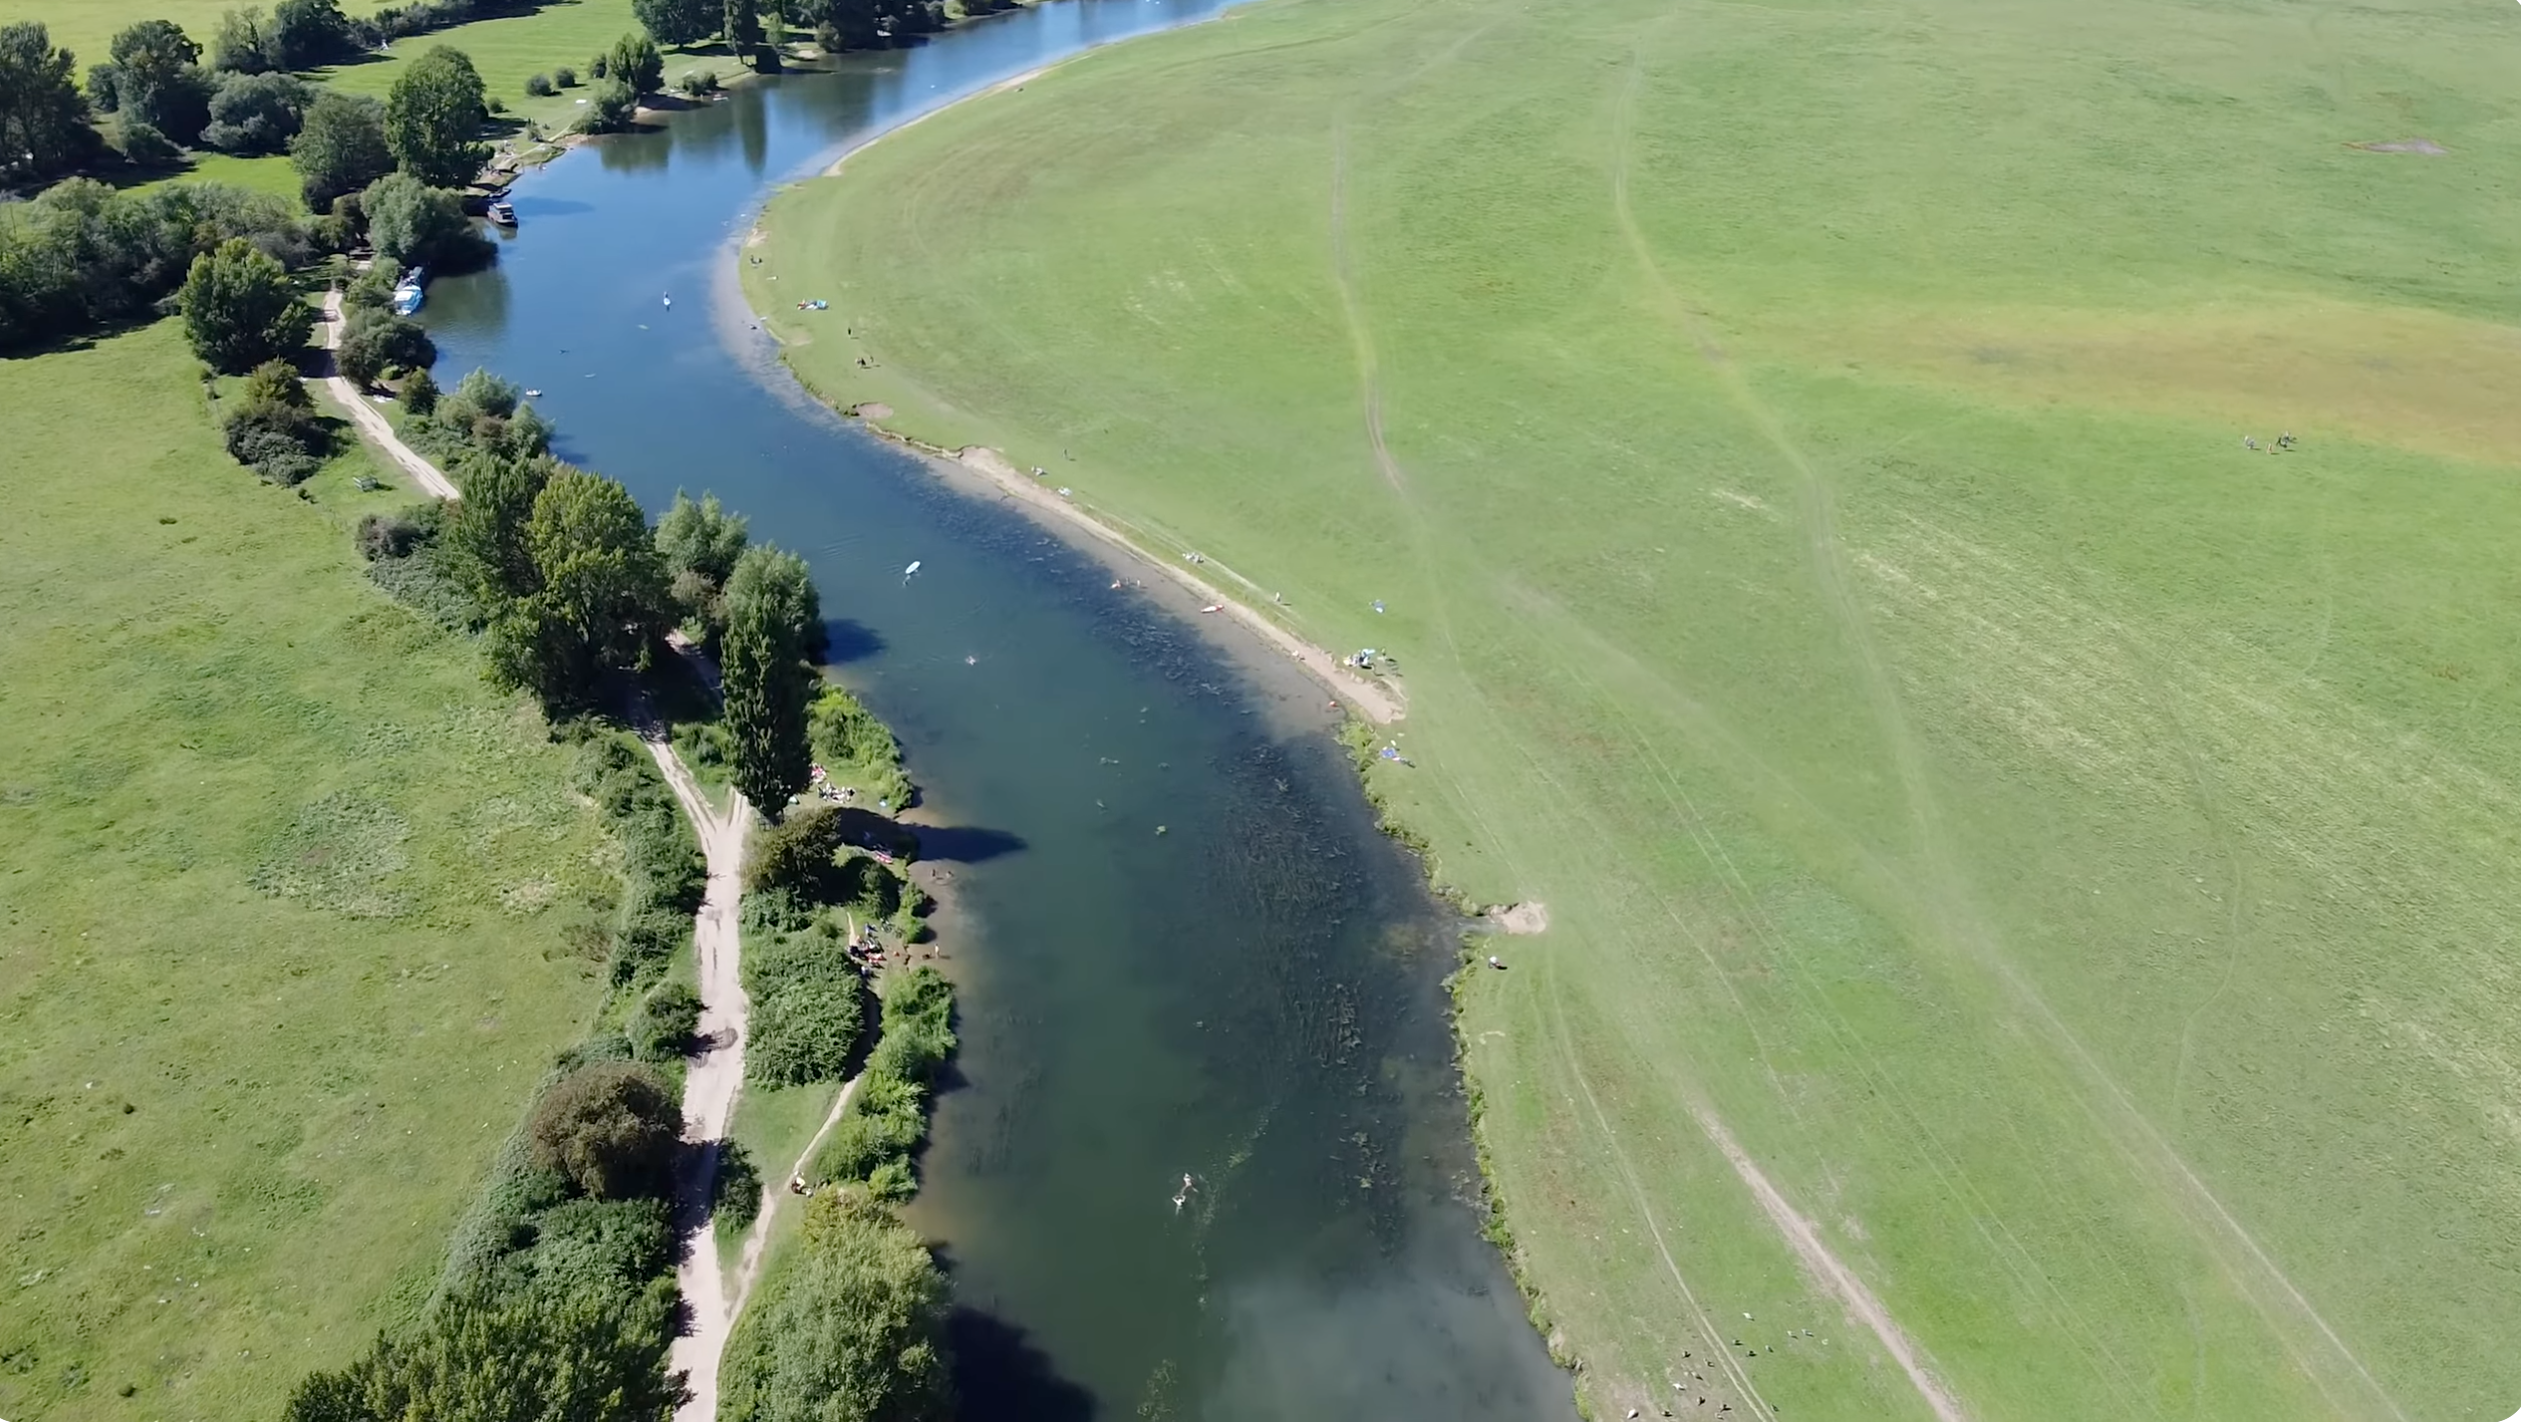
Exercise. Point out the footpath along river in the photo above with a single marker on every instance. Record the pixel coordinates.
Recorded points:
(1181, 945)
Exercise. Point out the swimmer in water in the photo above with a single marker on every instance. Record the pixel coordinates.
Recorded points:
(1184, 1197)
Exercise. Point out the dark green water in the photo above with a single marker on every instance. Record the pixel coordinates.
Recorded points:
(1252, 997)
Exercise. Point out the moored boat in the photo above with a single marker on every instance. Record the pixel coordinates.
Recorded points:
(410, 291)
(503, 213)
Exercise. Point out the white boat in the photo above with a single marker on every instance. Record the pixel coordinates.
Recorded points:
(503, 213)
(410, 291)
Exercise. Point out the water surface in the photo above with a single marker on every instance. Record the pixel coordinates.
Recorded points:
(1182, 947)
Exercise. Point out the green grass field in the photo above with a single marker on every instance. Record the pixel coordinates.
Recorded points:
(294, 910)
(2063, 852)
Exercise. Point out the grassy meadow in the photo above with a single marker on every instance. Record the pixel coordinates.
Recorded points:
(295, 909)
(2045, 858)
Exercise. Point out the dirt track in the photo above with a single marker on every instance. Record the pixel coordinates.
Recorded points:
(376, 427)
(712, 1080)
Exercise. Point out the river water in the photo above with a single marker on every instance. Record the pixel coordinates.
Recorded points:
(1182, 947)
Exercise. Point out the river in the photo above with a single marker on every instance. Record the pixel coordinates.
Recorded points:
(1181, 945)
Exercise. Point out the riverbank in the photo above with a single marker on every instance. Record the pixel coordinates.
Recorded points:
(1806, 612)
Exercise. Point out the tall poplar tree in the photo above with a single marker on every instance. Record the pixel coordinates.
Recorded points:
(762, 667)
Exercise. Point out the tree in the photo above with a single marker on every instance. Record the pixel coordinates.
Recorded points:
(340, 148)
(676, 22)
(598, 563)
(700, 543)
(244, 43)
(852, 1330)
(43, 121)
(770, 604)
(782, 584)
(612, 1128)
(433, 117)
(743, 21)
(305, 33)
(413, 224)
(511, 1355)
(239, 309)
(609, 107)
(849, 24)
(487, 535)
(375, 341)
(155, 81)
(635, 62)
(255, 113)
(766, 690)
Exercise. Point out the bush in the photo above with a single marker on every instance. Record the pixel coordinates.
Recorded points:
(737, 1196)
(397, 535)
(612, 1128)
(239, 308)
(509, 1353)
(255, 113)
(538, 85)
(698, 83)
(855, 1321)
(419, 394)
(611, 105)
(774, 910)
(808, 1004)
(271, 425)
(598, 1246)
(599, 67)
(661, 1027)
(887, 1115)
(563, 77)
(141, 144)
(375, 341)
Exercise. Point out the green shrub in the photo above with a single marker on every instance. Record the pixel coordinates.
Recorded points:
(737, 1197)
(767, 912)
(499, 1353)
(808, 1005)
(597, 1246)
(270, 425)
(661, 1027)
(612, 1128)
(419, 393)
(643, 942)
(611, 104)
(892, 1181)
(851, 1326)
(398, 534)
(538, 85)
(564, 77)
(698, 83)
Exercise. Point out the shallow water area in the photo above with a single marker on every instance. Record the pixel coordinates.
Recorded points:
(1183, 948)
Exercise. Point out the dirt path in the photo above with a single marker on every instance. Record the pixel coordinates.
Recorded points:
(379, 431)
(748, 1264)
(713, 1079)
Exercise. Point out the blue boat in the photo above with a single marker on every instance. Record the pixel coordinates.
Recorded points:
(410, 291)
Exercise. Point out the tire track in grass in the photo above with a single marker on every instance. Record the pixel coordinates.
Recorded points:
(1938, 1159)
(2255, 1272)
